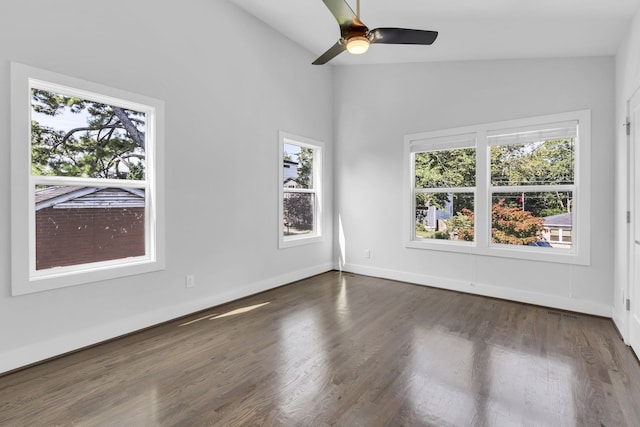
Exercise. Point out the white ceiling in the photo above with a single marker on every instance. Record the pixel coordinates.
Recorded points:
(468, 29)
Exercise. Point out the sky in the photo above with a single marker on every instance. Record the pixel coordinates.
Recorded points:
(64, 121)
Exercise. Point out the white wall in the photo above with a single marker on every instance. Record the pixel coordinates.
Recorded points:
(627, 83)
(229, 84)
(375, 106)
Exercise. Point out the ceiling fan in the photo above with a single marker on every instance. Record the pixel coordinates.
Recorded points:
(355, 37)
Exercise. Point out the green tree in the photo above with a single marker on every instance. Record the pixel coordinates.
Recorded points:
(536, 163)
(109, 145)
(462, 223)
(305, 167)
(445, 169)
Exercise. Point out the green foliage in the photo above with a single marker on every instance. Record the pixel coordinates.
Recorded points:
(514, 222)
(551, 211)
(441, 235)
(445, 168)
(462, 223)
(109, 145)
(459, 220)
(539, 163)
(305, 167)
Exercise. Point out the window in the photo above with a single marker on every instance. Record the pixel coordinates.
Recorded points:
(516, 189)
(86, 201)
(444, 172)
(300, 184)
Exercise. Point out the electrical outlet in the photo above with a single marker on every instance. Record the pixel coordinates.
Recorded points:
(190, 281)
(367, 253)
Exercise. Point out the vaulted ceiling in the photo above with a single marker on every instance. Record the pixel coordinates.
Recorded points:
(469, 29)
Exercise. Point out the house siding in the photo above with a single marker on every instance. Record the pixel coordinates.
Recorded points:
(78, 236)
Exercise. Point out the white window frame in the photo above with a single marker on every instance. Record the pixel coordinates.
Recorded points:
(580, 251)
(25, 279)
(450, 141)
(318, 149)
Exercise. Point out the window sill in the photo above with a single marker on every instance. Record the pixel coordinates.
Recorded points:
(504, 251)
(299, 241)
(92, 273)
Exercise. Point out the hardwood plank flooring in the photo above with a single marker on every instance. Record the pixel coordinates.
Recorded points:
(345, 350)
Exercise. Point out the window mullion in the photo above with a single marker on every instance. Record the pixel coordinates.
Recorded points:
(531, 188)
(299, 190)
(482, 211)
(87, 182)
(445, 190)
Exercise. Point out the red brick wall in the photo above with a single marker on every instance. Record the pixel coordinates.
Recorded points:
(78, 236)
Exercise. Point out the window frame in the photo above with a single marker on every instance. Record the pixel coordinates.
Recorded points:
(579, 254)
(317, 176)
(448, 142)
(25, 278)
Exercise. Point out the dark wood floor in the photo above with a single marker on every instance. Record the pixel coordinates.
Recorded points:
(347, 350)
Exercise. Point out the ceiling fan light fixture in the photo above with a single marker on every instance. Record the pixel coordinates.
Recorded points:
(355, 37)
(357, 45)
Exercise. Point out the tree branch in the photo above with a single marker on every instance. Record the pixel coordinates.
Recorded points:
(137, 136)
(70, 133)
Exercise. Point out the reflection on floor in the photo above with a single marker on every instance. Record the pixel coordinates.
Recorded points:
(348, 350)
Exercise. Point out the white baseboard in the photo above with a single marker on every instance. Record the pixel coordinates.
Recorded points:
(634, 334)
(56, 346)
(546, 300)
(620, 320)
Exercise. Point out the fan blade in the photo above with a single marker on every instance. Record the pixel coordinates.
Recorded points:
(334, 51)
(402, 36)
(342, 12)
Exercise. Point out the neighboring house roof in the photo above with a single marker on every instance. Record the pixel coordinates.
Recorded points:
(67, 197)
(290, 169)
(291, 183)
(561, 220)
(49, 193)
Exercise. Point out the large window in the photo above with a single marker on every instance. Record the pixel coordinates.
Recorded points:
(300, 184)
(515, 189)
(86, 202)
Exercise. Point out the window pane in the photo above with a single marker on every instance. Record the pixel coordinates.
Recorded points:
(81, 138)
(299, 210)
(566, 235)
(548, 162)
(445, 216)
(534, 219)
(446, 168)
(80, 225)
(297, 163)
